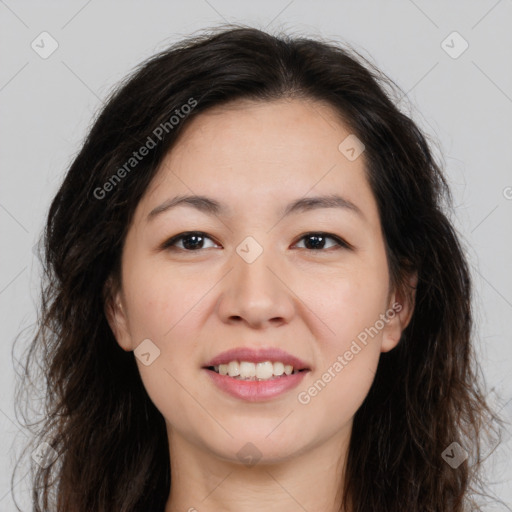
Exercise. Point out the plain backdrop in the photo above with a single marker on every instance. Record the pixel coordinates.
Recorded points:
(461, 97)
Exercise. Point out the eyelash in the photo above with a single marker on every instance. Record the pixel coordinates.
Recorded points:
(170, 244)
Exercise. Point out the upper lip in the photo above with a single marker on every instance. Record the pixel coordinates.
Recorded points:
(257, 355)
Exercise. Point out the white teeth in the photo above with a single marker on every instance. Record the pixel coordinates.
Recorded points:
(247, 370)
(233, 369)
(278, 369)
(264, 370)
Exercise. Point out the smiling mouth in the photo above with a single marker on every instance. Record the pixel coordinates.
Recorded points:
(249, 371)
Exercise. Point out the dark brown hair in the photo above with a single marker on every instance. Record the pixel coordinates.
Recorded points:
(110, 438)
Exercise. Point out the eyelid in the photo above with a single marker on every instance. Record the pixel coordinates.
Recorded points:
(340, 242)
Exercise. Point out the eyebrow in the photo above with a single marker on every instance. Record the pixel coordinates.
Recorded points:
(210, 206)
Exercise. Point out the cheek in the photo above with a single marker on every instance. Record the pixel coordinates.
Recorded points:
(334, 396)
(349, 348)
(160, 300)
(166, 308)
(349, 303)
(163, 307)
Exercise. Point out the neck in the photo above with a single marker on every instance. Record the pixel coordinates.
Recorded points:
(310, 481)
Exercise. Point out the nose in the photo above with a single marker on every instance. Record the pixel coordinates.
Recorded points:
(256, 294)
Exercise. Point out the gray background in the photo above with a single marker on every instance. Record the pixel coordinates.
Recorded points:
(465, 103)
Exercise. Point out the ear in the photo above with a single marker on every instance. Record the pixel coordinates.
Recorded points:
(399, 312)
(115, 311)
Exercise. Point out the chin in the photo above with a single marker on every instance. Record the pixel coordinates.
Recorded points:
(259, 449)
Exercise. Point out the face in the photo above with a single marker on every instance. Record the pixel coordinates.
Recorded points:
(260, 275)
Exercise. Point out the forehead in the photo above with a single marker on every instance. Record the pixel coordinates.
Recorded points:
(249, 152)
(285, 130)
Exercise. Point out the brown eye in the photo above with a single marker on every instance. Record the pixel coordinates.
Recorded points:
(317, 241)
(191, 241)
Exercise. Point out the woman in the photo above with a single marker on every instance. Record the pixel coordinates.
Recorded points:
(254, 300)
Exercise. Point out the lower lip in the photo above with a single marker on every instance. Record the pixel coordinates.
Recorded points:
(256, 390)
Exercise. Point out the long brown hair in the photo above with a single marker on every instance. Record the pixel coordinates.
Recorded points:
(110, 439)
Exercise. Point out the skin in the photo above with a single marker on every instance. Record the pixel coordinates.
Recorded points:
(256, 157)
